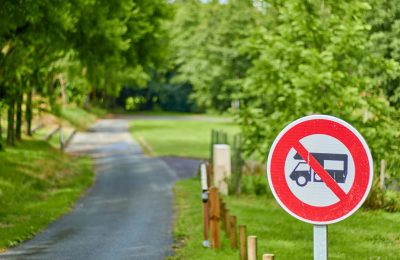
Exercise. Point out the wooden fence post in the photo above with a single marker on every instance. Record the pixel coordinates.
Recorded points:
(209, 175)
(61, 138)
(212, 142)
(233, 230)
(214, 217)
(382, 175)
(268, 257)
(222, 215)
(243, 245)
(227, 226)
(252, 248)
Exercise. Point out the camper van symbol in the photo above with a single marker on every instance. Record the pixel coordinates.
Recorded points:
(334, 164)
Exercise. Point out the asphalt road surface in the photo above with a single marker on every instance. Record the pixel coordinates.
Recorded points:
(127, 214)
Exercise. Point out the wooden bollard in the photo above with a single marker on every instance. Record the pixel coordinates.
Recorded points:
(209, 175)
(233, 230)
(61, 138)
(227, 226)
(243, 244)
(268, 257)
(382, 175)
(214, 218)
(252, 248)
(222, 213)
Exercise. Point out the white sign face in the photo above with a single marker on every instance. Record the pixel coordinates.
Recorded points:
(314, 191)
(320, 169)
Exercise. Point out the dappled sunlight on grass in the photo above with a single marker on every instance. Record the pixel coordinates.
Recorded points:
(38, 183)
(178, 137)
(364, 235)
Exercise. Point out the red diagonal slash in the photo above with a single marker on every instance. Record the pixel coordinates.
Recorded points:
(322, 173)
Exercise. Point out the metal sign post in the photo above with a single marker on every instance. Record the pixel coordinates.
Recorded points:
(320, 242)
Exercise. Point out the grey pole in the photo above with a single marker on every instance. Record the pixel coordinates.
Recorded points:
(320, 242)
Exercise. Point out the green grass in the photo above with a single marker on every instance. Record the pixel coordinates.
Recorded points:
(178, 138)
(81, 118)
(364, 235)
(38, 184)
(159, 113)
(179, 114)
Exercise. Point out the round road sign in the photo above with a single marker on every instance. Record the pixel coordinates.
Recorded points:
(320, 169)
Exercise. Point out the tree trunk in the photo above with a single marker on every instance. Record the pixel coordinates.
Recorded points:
(18, 127)
(1, 130)
(10, 122)
(63, 94)
(28, 113)
(1, 126)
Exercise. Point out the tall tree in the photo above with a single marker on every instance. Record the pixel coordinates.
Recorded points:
(314, 58)
(385, 32)
(207, 38)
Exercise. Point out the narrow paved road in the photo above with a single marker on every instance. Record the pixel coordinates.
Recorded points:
(126, 215)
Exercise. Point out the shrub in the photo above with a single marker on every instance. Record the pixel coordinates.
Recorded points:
(375, 198)
(254, 184)
(391, 201)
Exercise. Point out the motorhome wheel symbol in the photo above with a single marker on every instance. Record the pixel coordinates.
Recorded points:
(334, 164)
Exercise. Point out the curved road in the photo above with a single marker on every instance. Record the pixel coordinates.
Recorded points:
(126, 215)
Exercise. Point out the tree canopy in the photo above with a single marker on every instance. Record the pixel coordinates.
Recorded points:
(282, 60)
(77, 47)
(272, 61)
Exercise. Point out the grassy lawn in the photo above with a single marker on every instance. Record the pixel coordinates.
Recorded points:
(38, 184)
(365, 235)
(178, 137)
(80, 118)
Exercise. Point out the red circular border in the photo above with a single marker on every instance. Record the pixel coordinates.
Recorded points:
(362, 176)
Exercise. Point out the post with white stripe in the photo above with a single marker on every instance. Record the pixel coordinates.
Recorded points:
(204, 196)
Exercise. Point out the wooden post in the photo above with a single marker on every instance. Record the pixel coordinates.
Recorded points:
(252, 248)
(233, 230)
(214, 217)
(212, 142)
(227, 226)
(382, 175)
(243, 245)
(209, 175)
(268, 257)
(222, 213)
(61, 139)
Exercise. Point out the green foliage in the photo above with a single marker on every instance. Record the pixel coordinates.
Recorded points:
(254, 185)
(287, 59)
(375, 199)
(78, 51)
(207, 39)
(388, 200)
(314, 58)
(385, 31)
(133, 103)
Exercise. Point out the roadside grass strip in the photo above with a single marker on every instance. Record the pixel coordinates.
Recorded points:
(178, 137)
(365, 235)
(38, 184)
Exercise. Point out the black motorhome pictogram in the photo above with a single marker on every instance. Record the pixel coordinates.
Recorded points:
(334, 164)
